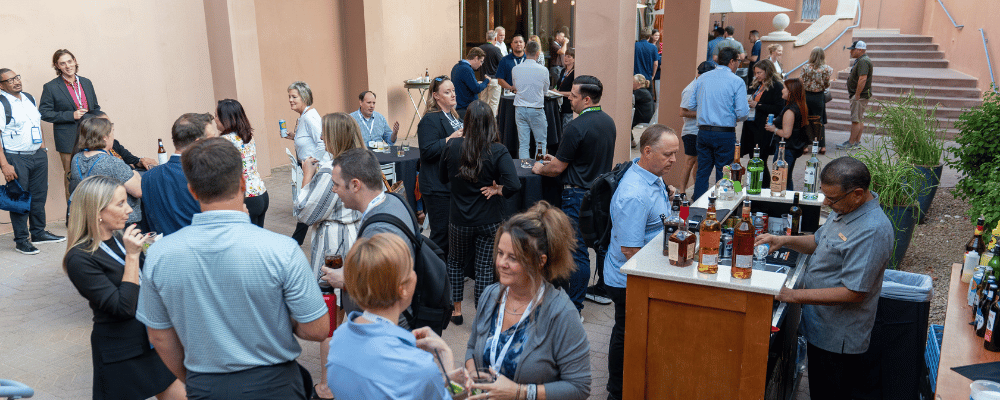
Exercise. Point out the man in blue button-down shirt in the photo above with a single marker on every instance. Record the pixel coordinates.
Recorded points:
(719, 103)
(635, 220)
(374, 126)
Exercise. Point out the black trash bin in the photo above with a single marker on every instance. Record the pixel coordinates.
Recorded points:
(895, 357)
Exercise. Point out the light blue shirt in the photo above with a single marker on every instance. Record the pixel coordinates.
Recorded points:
(230, 290)
(374, 128)
(635, 217)
(690, 124)
(720, 98)
(381, 361)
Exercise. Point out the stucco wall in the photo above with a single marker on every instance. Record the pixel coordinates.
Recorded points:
(964, 47)
(905, 15)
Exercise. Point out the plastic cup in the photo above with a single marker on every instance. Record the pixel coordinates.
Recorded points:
(984, 390)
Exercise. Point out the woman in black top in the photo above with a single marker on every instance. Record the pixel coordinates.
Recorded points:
(791, 125)
(104, 267)
(439, 125)
(642, 101)
(565, 84)
(479, 169)
(765, 99)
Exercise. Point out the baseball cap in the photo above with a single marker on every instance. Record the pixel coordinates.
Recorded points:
(858, 44)
(706, 66)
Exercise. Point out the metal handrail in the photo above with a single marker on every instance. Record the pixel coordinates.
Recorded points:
(949, 15)
(988, 62)
(856, 24)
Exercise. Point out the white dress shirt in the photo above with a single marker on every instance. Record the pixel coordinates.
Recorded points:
(532, 81)
(25, 119)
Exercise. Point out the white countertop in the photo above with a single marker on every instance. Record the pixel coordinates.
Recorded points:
(651, 263)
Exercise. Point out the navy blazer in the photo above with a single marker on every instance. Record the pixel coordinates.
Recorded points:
(57, 106)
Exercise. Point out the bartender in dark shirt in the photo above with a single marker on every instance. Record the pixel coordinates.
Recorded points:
(586, 151)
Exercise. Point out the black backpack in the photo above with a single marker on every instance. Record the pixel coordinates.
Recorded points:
(6, 106)
(595, 208)
(431, 305)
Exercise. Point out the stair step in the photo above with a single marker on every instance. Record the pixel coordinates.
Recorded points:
(919, 90)
(894, 39)
(917, 46)
(950, 102)
(839, 120)
(903, 54)
(910, 62)
(942, 112)
(925, 76)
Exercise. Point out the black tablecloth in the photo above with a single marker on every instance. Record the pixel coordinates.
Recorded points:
(406, 169)
(533, 188)
(508, 128)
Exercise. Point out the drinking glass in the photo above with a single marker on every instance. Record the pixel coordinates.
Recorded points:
(482, 375)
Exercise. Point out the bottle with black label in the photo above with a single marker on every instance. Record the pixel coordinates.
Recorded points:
(990, 340)
(984, 310)
(795, 216)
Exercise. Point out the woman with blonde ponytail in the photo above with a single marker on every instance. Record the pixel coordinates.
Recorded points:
(526, 329)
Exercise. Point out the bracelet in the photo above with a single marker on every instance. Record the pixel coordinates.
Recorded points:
(518, 395)
(531, 392)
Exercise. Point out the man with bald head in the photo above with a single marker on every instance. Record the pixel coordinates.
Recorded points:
(636, 206)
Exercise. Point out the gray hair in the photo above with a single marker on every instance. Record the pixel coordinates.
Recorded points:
(531, 49)
(491, 35)
(304, 92)
(499, 29)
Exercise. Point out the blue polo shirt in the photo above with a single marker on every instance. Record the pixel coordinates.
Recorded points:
(507, 64)
(165, 196)
(645, 56)
(635, 217)
(711, 47)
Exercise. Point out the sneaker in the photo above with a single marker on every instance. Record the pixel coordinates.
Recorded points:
(47, 237)
(845, 145)
(26, 248)
(597, 295)
(581, 318)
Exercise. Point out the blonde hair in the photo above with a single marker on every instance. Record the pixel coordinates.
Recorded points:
(91, 197)
(341, 133)
(432, 105)
(643, 83)
(374, 270)
(773, 48)
(541, 230)
(817, 57)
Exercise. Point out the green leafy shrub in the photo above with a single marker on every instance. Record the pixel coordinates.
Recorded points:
(913, 130)
(977, 158)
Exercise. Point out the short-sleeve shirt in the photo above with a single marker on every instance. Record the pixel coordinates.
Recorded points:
(532, 81)
(730, 43)
(492, 61)
(863, 66)
(24, 114)
(852, 251)
(690, 124)
(231, 290)
(309, 135)
(711, 46)
(635, 217)
(816, 79)
(645, 56)
(507, 64)
(104, 164)
(588, 146)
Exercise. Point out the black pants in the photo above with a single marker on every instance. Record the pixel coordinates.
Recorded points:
(832, 375)
(438, 208)
(33, 176)
(300, 233)
(281, 381)
(616, 349)
(257, 206)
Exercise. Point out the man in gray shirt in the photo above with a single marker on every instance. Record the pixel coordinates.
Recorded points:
(843, 280)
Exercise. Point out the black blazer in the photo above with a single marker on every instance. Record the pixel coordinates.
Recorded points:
(770, 103)
(57, 107)
(431, 133)
(468, 205)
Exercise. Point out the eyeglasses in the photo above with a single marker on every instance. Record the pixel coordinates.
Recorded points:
(834, 202)
(15, 78)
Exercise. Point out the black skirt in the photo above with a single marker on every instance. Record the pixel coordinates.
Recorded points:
(125, 365)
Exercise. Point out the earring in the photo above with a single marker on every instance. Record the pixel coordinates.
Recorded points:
(100, 220)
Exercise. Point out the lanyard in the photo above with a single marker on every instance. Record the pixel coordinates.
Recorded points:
(760, 90)
(497, 359)
(77, 92)
(589, 109)
(455, 123)
(377, 318)
(376, 201)
(371, 127)
(112, 254)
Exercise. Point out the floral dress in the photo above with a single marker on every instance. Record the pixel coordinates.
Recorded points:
(248, 152)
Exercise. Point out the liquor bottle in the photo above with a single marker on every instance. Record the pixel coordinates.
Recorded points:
(795, 216)
(779, 172)
(991, 340)
(743, 245)
(755, 169)
(981, 290)
(994, 264)
(984, 310)
(427, 75)
(686, 211)
(988, 254)
(161, 153)
(710, 231)
(810, 188)
(674, 221)
(682, 246)
(977, 278)
(737, 170)
(539, 151)
(725, 189)
(976, 243)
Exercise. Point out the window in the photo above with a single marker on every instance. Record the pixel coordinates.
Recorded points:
(810, 10)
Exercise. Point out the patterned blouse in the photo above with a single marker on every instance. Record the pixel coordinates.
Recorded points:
(248, 151)
(816, 80)
(509, 363)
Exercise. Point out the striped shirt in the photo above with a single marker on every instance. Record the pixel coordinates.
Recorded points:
(335, 226)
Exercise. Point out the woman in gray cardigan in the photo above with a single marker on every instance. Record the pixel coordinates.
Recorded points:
(541, 350)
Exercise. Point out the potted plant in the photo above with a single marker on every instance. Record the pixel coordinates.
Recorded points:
(895, 180)
(977, 158)
(914, 132)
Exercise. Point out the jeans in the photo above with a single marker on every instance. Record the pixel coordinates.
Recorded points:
(616, 348)
(715, 150)
(578, 281)
(530, 120)
(33, 176)
(790, 158)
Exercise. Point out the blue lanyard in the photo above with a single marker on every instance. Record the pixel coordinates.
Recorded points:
(80, 169)
(112, 254)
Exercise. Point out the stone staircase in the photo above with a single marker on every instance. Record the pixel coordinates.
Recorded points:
(902, 63)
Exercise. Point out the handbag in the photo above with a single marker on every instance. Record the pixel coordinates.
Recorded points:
(827, 96)
(815, 129)
(14, 198)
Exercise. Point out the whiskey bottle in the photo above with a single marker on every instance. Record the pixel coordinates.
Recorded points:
(991, 340)
(810, 188)
(682, 246)
(737, 170)
(984, 310)
(795, 218)
(743, 245)
(710, 231)
(779, 172)
(755, 169)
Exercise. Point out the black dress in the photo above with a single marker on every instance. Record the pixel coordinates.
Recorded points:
(125, 365)
(644, 107)
(753, 131)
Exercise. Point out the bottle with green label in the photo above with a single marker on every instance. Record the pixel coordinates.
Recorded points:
(755, 168)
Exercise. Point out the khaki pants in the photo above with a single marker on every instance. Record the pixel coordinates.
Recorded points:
(491, 95)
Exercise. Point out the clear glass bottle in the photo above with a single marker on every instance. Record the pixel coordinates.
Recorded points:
(725, 188)
(755, 171)
(810, 186)
(743, 245)
(779, 172)
(736, 169)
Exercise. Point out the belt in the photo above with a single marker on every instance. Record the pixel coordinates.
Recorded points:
(712, 128)
(573, 187)
(20, 152)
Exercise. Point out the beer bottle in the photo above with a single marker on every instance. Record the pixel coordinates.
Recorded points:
(161, 153)
(736, 169)
(795, 214)
(991, 342)
(984, 310)
(977, 244)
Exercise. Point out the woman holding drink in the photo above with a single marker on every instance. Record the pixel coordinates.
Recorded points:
(527, 331)
(306, 135)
